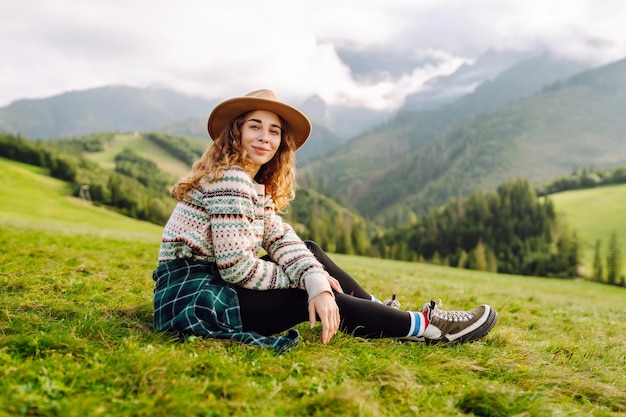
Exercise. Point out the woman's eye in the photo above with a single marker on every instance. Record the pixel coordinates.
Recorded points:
(275, 132)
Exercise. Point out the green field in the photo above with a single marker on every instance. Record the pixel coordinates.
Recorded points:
(76, 339)
(595, 213)
(141, 146)
(30, 198)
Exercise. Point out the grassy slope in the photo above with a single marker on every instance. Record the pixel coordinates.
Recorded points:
(28, 197)
(143, 147)
(593, 220)
(75, 336)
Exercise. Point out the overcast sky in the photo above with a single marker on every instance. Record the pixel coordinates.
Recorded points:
(221, 49)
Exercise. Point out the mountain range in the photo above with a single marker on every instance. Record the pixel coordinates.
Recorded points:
(517, 125)
(535, 116)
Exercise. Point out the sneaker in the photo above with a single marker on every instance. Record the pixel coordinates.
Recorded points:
(392, 302)
(449, 327)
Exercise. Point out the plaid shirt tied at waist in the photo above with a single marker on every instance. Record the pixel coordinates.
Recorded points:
(190, 298)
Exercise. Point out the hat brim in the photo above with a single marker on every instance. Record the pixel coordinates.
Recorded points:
(298, 124)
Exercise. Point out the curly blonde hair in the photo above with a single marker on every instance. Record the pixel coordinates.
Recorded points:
(278, 175)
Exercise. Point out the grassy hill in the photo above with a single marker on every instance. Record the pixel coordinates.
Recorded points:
(595, 213)
(29, 197)
(76, 339)
(142, 146)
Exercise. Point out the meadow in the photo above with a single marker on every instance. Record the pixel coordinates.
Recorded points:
(595, 213)
(139, 144)
(76, 337)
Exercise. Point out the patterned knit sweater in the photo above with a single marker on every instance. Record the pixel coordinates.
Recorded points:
(227, 222)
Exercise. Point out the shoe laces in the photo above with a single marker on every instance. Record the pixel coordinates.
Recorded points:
(455, 315)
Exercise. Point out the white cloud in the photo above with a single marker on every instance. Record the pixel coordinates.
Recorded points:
(220, 49)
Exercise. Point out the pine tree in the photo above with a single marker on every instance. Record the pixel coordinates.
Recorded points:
(492, 261)
(598, 271)
(462, 260)
(480, 257)
(314, 233)
(359, 238)
(613, 261)
(436, 259)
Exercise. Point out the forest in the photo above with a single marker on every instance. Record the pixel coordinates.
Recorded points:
(509, 230)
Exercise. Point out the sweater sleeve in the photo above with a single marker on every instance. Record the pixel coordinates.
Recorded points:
(286, 248)
(237, 230)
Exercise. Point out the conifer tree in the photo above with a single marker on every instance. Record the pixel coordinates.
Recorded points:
(462, 260)
(613, 261)
(492, 261)
(598, 270)
(359, 238)
(480, 257)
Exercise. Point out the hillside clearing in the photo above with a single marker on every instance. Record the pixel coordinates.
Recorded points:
(595, 213)
(142, 146)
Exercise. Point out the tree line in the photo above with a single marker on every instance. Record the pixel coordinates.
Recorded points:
(584, 178)
(335, 228)
(508, 230)
(609, 272)
(180, 149)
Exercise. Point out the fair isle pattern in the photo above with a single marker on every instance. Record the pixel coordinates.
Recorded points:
(227, 222)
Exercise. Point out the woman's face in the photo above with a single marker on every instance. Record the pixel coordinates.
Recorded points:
(260, 137)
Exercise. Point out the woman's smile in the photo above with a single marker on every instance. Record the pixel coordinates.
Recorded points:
(261, 134)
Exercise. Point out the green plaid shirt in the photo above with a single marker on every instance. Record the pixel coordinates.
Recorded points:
(190, 298)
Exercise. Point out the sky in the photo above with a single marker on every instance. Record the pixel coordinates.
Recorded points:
(298, 48)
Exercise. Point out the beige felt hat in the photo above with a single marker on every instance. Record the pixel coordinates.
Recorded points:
(226, 111)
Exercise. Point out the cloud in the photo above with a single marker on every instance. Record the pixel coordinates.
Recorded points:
(348, 52)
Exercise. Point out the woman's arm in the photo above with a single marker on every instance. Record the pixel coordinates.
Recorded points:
(286, 248)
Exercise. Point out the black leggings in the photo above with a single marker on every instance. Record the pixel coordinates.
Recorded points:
(274, 311)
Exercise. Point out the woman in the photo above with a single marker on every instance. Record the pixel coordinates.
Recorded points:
(210, 281)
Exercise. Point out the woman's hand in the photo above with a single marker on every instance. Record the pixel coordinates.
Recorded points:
(334, 284)
(324, 306)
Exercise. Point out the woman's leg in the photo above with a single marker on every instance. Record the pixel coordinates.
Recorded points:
(272, 311)
(348, 284)
(275, 311)
(365, 318)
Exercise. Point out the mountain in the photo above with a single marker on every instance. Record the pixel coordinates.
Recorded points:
(572, 124)
(446, 89)
(422, 159)
(129, 109)
(344, 121)
(112, 108)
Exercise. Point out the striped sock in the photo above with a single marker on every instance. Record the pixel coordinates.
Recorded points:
(419, 322)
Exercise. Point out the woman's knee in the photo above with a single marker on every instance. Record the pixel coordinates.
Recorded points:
(313, 247)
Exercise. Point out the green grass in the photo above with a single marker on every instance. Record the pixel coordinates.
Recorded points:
(28, 197)
(141, 146)
(595, 213)
(76, 339)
